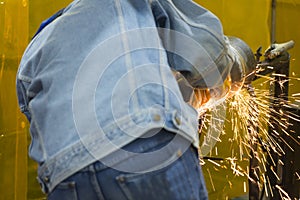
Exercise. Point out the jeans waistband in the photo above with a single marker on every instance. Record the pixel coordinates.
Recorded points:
(149, 153)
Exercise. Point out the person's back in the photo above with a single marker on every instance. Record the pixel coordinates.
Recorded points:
(98, 78)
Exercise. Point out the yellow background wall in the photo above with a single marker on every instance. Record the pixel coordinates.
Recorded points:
(13, 138)
(19, 19)
(248, 20)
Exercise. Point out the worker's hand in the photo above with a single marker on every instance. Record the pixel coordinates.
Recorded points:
(206, 99)
(200, 97)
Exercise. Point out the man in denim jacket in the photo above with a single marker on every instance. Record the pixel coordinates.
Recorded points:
(107, 118)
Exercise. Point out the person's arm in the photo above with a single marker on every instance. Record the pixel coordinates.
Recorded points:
(194, 39)
(213, 64)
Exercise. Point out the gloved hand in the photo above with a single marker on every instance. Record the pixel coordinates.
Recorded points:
(202, 99)
(242, 72)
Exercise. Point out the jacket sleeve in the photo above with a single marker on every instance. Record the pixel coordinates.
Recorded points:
(194, 40)
(23, 98)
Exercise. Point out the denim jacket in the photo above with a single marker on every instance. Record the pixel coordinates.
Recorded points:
(100, 76)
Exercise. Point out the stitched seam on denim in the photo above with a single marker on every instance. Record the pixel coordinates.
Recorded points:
(125, 190)
(128, 61)
(187, 171)
(95, 183)
(163, 78)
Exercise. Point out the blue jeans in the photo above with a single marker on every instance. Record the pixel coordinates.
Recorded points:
(180, 180)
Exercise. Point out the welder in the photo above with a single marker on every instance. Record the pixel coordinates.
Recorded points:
(107, 118)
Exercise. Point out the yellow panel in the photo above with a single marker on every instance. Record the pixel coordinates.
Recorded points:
(13, 139)
(248, 20)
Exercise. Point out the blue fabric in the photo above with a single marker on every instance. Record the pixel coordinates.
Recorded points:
(180, 180)
(100, 76)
